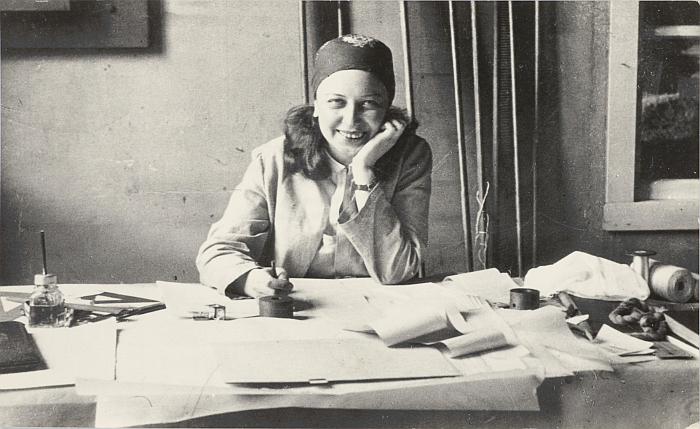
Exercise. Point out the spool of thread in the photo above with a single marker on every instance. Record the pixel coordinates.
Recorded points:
(280, 306)
(524, 299)
(672, 283)
(641, 262)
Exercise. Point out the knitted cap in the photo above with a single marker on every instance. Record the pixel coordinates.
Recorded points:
(354, 52)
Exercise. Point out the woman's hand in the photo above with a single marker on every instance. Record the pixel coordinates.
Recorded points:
(376, 147)
(260, 282)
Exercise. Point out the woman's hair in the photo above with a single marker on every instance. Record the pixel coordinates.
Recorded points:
(305, 147)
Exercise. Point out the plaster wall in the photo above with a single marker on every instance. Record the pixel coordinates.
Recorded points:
(125, 158)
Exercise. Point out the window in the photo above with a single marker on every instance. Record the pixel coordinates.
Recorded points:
(652, 147)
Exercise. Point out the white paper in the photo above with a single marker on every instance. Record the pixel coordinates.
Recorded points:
(402, 327)
(545, 333)
(188, 299)
(481, 331)
(490, 284)
(11, 310)
(683, 346)
(475, 342)
(512, 391)
(325, 360)
(180, 378)
(83, 351)
(575, 320)
(616, 342)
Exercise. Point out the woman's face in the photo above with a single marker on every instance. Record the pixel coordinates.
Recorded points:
(350, 106)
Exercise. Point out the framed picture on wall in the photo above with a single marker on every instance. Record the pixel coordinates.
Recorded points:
(86, 24)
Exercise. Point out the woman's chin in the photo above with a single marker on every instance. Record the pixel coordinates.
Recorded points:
(350, 143)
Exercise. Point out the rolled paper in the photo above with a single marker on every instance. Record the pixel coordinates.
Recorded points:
(524, 299)
(672, 283)
(400, 328)
(279, 306)
(475, 342)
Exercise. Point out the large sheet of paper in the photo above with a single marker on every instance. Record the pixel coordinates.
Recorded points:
(324, 360)
(86, 351)
(128, 405)
(180, 377)
(545, 333)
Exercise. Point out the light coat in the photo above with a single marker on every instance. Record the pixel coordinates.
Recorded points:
(390, 233)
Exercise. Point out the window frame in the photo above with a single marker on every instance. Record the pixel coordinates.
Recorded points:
(621, 212)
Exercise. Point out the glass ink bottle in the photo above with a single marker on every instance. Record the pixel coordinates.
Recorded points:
(46, 303)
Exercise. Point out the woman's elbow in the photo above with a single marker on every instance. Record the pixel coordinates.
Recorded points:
(399, 273)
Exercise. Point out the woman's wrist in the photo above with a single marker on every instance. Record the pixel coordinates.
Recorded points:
(237, 287)
(362, 175)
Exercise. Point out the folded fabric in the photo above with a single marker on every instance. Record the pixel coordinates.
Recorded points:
(588, 276)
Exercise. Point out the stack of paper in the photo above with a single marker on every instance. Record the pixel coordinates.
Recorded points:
(621, 344)
(490, 284)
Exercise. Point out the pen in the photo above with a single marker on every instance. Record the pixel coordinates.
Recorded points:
(274, 274)
(285, 291)
(272, 260)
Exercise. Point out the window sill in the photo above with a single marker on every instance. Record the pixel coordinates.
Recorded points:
(651, 215)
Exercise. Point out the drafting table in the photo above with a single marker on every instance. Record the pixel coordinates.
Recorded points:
(660, 393)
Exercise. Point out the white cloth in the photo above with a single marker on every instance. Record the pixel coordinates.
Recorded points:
(588, 276)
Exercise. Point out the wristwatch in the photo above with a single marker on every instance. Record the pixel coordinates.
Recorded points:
(367, 188)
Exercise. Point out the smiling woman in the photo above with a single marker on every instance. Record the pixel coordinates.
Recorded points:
(350, 106)
(345, 191)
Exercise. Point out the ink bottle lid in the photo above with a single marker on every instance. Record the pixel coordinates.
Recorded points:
(45, 279)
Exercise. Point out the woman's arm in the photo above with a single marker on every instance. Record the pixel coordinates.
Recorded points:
(391, 231)
(228, 258)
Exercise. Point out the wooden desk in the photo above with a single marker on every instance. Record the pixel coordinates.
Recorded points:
(660, 394)
(657, 394)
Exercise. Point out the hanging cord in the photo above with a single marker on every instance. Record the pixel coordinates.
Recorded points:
(461, 147)
(516, 164)
(481, 236)
(477, 132)
(535, 140)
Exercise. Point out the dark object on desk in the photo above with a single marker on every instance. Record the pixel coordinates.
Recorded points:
(572, 311)
(654, 326)
(629, 312)
(88, 313)
(635, 312)
(141, 310)
(524, 299)
(18, 352)
(684, 324)
(666, 350)
(280, 306)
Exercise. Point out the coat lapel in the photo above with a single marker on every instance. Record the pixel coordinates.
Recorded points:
(300, 217)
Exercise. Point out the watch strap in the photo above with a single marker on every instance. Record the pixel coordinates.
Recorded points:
(367, 188)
